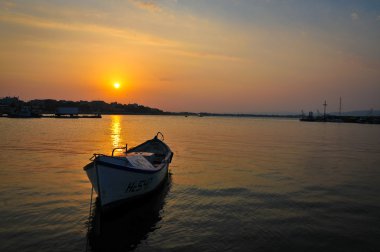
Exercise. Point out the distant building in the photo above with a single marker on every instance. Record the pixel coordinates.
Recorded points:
(10, 101)
(4, 109)
(9, 105)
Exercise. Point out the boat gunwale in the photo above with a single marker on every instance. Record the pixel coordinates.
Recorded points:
(165, 161)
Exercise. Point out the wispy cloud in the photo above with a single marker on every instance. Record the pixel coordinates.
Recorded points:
(354, 16)
(147, 5)
(130, 35)
(207, 55)
(6, 5)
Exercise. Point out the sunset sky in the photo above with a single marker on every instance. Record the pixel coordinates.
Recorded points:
(227, 56)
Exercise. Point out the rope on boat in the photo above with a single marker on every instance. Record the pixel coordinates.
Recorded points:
(98, 182)
(89, 215)
(95, 166)
(91, 199)
(89, 218)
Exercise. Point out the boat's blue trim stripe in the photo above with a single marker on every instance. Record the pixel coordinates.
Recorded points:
(126, 168)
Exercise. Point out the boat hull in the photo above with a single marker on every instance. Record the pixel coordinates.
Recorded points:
(117, 184)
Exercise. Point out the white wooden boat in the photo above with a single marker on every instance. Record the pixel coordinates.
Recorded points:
(138, 172)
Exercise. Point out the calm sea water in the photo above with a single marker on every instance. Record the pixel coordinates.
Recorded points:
(236, 184)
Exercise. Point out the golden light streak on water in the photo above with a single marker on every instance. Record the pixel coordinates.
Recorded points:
(115, 135)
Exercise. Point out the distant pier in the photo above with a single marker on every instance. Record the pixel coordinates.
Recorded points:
(342, 119)
(77, 116)
(369, 119)
(54, 116)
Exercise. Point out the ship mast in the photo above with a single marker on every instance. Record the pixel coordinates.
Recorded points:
(324, 110)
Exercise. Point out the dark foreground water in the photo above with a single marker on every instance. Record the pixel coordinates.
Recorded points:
(236, 184)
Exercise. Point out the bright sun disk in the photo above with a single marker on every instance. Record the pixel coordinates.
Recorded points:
(116, 85)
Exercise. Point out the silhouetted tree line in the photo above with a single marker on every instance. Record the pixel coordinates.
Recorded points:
(50, 106)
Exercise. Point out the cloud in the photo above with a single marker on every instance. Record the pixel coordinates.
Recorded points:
(130, 35)
(6, 5)
(147, 5)
(166, 79)
(79, 25)
(194, 53)
(354, 16)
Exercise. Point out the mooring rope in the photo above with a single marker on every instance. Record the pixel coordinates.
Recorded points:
(89, 219)
(89, 216)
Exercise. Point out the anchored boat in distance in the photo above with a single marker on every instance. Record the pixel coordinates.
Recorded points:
(141, 170)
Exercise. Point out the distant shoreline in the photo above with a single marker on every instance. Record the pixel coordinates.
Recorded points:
(13, 105)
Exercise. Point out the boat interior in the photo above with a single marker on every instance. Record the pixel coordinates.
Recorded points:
(153, 150)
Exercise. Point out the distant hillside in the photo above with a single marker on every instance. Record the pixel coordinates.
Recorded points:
(87, 107)
(50, 106)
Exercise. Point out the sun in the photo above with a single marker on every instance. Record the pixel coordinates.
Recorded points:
(116, 85)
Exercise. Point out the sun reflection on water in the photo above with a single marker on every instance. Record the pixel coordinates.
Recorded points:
(116, 132)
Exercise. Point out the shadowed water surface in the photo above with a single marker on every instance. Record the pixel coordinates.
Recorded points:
(237, 184)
